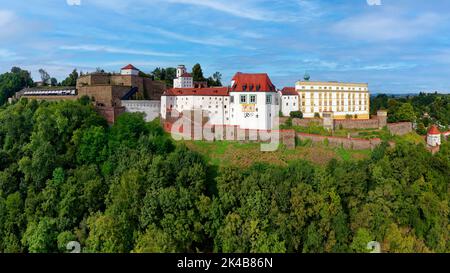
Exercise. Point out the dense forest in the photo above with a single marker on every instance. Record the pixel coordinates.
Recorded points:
(65, 175)
(423, 109)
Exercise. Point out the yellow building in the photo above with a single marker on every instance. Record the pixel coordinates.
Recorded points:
(345, 100)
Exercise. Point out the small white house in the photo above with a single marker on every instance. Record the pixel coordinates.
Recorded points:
(183, 79)
(129, 70)
(289, 101)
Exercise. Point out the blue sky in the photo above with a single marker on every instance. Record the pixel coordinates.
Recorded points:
(398, 46)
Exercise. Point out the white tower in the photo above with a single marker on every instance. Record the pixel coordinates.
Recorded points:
(181, 69)
(183, 79)
(434, 136)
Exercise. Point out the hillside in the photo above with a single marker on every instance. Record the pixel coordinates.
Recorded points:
(65, 175)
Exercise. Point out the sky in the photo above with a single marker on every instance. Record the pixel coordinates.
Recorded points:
(396, 46)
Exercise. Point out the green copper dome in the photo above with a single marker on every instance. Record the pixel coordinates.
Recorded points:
(306, 77)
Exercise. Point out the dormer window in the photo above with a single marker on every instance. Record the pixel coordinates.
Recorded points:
(258, 87)
(251, 87)
(244, 87)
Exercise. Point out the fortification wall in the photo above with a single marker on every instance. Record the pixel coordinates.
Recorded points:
(373, 123)
(347, 143)
(356, 124)
(400, 128)
(110, 113)
(104, 95)
(153, 89)
(151, 108)
(306, 122)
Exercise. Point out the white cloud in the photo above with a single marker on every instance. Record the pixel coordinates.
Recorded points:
(236, 8)
(6, 18)
(247, 9)
(73, 2)
(8, 55)
(4, 53)
(387, 27)
(214, 41)
(8, 23)
(110, 49)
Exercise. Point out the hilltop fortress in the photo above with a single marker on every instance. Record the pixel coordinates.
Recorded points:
(250, 101)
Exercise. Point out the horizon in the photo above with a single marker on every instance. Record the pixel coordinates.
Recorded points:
(397, 47)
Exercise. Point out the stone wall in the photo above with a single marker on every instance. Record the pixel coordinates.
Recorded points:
(347, 143)
(306, 122)
(376, 122)
(372, 123)
(104, 95)
(110, 113)
(153, 89)
(151, 108)
(288, 138)
(400, 128)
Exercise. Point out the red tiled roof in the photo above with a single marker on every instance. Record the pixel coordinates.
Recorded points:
(130, 66)
(212, 91)
(289, 91)
(434, 130)
(185, 75)
(252, 82)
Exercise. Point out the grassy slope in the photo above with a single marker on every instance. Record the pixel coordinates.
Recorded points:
(223, 153)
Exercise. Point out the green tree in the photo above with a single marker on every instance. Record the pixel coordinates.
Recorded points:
(45, 77)
(406, 113)
(155, 240)
(12, 82)
(197, 73)
(361, 240)
(71, 80)
(296, 114)
(41, 237)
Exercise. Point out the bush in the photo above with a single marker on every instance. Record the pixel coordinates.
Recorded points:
(316, 115)
(296, 114)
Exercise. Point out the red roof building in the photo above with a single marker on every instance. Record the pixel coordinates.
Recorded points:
(130, 66)
(186, 75)
(289, 91)
(243, 82)
(434, 130)
(211, 91)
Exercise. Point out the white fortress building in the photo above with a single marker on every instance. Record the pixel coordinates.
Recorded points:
(250, 102)
(345, 100)
(183, 79)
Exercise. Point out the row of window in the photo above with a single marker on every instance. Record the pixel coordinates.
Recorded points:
(251, 99)
(336, 88)
(338, 96)
(339, 109)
